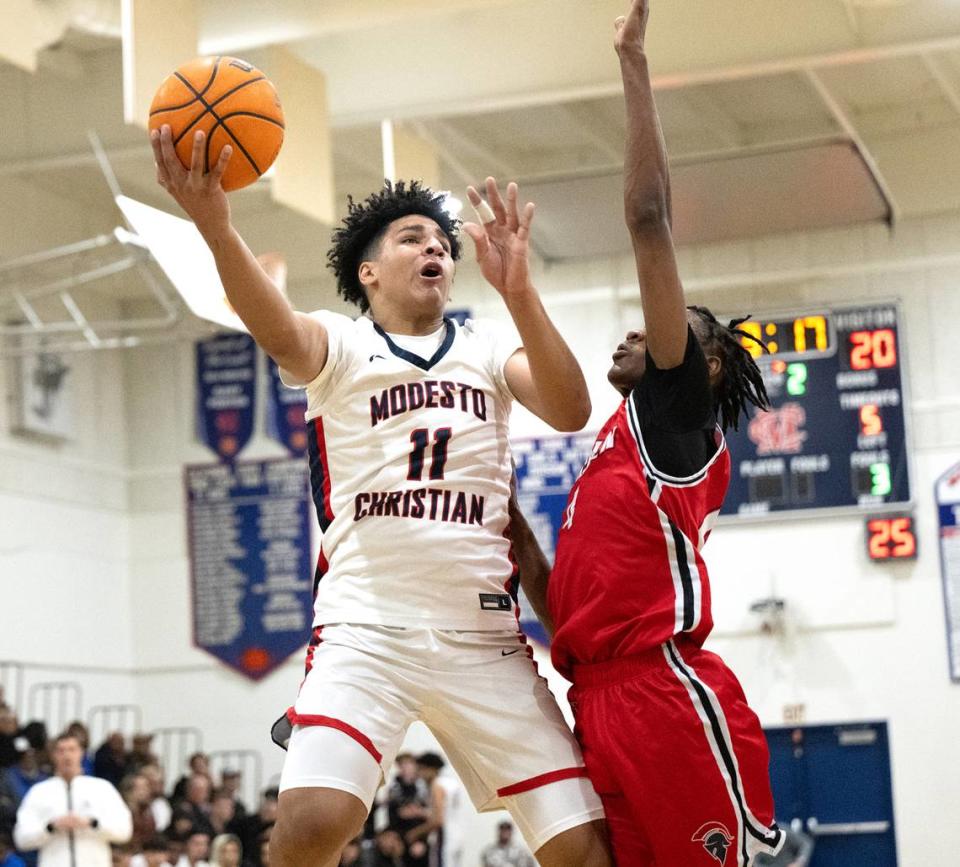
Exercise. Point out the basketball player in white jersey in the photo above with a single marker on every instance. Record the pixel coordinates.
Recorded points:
(410, 463)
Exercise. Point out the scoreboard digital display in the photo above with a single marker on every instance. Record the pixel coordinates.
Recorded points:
(836, 435)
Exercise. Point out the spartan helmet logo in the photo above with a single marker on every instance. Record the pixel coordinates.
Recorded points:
(716, 839)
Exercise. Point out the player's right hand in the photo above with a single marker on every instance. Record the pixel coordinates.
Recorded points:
(199, 193)
(631, 29)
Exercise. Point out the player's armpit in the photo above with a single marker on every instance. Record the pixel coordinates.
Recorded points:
(306, 355)
(551, 399)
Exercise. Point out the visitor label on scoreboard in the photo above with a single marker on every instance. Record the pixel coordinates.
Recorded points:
(547, 467)
(947, 491)
(249, 536)
(226, 389)
(836, 433)
(286, 412)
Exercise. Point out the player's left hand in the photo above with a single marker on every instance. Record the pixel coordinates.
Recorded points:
(631, 29)
(503, 240)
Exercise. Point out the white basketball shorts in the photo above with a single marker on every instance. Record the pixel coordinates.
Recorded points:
(480, 695)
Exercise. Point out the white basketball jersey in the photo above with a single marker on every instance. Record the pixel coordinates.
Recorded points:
(410, 468)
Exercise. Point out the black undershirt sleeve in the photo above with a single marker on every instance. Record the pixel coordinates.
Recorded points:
(676, 413)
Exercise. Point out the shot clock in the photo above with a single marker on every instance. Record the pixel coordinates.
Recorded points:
(836, 435)
(891, 538)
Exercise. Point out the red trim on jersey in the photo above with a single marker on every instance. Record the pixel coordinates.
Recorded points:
(315, 640)
(322, 449)
(322, 568)
(542, 780)
(311, 719)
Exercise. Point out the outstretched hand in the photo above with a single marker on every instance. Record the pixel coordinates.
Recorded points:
(631, 29)
(199, 193)
(502, 238)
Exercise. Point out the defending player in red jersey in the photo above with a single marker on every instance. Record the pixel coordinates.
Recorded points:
(675, 753)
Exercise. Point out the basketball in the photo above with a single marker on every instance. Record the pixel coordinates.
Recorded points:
(233, 103)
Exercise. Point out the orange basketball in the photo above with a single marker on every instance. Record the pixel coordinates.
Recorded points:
(233, 103)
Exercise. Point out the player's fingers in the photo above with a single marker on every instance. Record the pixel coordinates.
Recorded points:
(618, 24)
(495, 200)
(196, 157)
(526, 220)
(513, 216)
(483, 211)
(158, 158)
(479, 236)
(221, 166)
(171, 162)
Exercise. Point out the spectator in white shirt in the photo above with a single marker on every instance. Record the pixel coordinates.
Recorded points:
(72, 818)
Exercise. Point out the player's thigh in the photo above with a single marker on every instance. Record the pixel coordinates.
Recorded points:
(691, 761)
(585, 845)
(349, 718)
(313, 825)
(506, 737)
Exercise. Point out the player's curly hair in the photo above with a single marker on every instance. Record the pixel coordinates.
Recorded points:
(741, 381)
(365, 223)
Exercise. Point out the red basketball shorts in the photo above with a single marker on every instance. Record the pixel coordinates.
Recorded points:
(678, 759)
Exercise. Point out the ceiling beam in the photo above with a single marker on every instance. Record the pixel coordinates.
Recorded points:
(842, 117)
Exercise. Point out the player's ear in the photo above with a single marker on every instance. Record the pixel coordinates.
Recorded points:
(715, 367)
(367, 274)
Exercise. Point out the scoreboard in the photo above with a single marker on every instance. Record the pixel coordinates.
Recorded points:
(836, 434)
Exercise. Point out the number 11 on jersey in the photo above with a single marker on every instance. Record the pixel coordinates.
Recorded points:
(438, 456)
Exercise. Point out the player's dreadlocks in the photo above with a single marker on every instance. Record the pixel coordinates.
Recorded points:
(365, 223)
(740, 381)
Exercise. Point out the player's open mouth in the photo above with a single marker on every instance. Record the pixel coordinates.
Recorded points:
(431, 271)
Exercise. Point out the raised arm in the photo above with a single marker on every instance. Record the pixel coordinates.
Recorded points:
(544, 376)
(646, 197)
(297, 342)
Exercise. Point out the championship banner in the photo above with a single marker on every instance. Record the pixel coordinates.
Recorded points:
(249, 547)
(226, 391)
(947, 490)
(286, 411)
(546, 468)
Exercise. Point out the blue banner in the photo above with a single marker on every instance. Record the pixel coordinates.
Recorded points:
(286, 412)
(226, 392)
(249, 546)
(546, 469)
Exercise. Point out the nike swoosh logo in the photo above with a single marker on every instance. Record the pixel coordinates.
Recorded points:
(509, 652)
(376, 356)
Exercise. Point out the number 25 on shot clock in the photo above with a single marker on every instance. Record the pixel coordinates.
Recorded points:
(891, 537)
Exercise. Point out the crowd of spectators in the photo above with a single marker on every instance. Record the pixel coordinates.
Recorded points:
(199, 822)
